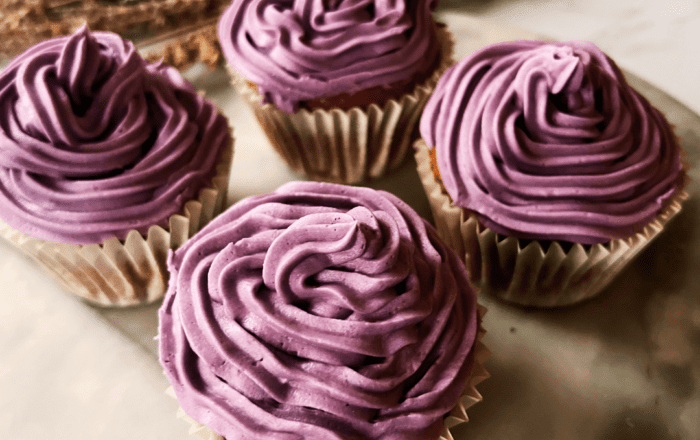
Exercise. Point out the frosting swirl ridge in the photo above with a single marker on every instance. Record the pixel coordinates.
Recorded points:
(96, 141)
(299, 50)
(547, 140)
(318, 311)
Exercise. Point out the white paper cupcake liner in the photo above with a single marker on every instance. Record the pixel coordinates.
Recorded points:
(346, 146)
(469, 397)
(535, 275)
(132, 272)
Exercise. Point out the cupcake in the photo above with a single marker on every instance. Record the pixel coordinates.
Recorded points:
(320, 311)
(337, 87)
(106, 162)
(546, 170)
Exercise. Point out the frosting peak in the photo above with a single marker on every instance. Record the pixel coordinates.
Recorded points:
(299, 50)
(548, 141)
(318, 311)
(95, 141)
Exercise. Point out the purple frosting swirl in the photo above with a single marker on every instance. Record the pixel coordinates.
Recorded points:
(300, 50)
(95, 141)
(548, 141)
(319, 311)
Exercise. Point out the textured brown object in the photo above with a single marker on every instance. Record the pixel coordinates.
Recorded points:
(188, 46)
(189, 26)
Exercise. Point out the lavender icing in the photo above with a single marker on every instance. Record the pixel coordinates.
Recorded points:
(95, 141)
(319, 311)
(302, 50)
(548, 141)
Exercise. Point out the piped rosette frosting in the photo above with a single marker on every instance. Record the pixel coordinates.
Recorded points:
(546, 140)
(95, 141)
(319, 311)
(301, 50)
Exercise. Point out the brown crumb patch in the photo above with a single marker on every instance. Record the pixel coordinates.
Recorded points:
(200, 46)
(434, 166)
(24, 23)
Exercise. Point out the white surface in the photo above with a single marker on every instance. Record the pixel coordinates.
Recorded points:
(68, 370)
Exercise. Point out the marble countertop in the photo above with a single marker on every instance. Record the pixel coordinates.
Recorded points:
(623, 366)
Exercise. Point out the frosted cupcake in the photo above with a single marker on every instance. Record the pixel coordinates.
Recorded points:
(106, 163)
(546, 170)
(320, 311)
(338, 87)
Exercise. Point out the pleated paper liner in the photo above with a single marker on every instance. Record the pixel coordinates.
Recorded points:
(129, 272)
(346, 146)
(535, 275)
(458, 415)
(470, 395)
